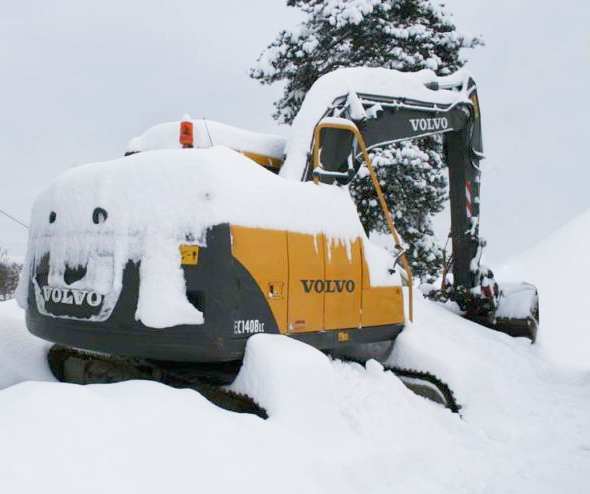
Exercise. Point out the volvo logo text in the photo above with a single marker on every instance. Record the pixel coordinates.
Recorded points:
(328, 286)
(70, 296)
(425, 124)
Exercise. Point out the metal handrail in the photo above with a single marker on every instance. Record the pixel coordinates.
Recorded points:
(344, 124)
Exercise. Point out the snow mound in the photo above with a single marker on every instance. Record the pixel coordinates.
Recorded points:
(22, 355)
(558, 267)
(278, 370)
(528, 411)
(137, 436)
(333, 427)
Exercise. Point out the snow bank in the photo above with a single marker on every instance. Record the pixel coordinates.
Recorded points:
(333, 427)
(208, 133)
(22, 355)
(558, 267)
(130, 437)
(532, 413)
(156, 200)
(292, 380)
(349, 81)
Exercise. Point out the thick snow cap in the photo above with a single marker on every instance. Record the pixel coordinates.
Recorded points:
(208, 133)
(378, 81)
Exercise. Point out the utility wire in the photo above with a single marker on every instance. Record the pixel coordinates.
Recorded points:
(207, 129)
(14, 219)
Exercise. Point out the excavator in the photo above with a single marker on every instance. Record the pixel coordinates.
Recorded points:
(161, 264)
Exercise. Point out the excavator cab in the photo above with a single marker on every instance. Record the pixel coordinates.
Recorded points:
(336, 156)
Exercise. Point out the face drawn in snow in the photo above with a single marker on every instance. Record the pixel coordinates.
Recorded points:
(71, 277)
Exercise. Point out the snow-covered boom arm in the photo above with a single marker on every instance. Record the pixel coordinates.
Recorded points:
(385, 119)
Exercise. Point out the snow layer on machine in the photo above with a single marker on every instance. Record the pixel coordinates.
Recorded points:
(208, 133)
(157, 200)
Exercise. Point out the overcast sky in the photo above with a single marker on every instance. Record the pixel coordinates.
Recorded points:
(79, 78)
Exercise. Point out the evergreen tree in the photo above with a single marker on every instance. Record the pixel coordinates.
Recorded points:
(406, 35)
(413, 181)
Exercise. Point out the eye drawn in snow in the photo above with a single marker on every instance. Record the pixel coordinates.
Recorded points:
(99, 215)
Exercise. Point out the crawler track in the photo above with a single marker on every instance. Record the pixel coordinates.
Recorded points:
(81, 367)
(427, 385)
(422, 383)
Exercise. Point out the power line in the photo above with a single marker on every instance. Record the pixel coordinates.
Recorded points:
(13, 219)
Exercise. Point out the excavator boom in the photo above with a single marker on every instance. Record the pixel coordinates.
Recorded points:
(384, 120)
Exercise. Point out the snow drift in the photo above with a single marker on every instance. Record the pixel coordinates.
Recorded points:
(22, 355)
(558, 267)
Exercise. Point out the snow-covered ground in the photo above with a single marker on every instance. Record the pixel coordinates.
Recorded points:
(332, 427)
(558, 266)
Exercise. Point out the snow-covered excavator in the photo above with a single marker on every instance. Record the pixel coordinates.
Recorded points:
(169, 259)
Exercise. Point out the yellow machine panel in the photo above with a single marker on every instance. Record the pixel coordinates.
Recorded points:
(312, 283)
(306, 277)
(342, 284)
(264, 254)
(264, 160)
(382, 305)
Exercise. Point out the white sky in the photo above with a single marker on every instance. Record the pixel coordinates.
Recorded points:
(79, 78)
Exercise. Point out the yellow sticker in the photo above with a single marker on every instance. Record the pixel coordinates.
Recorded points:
(189, 255)
(342, 336)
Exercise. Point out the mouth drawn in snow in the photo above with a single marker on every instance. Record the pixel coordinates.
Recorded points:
(79, 292)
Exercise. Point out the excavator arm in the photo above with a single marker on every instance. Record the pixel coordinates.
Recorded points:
(383, 120)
